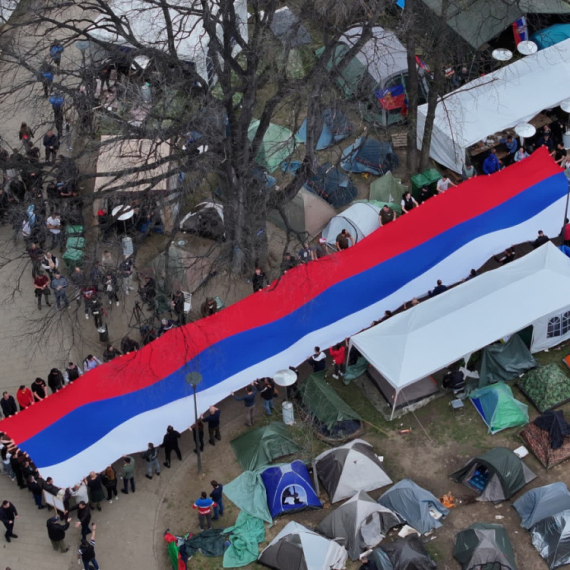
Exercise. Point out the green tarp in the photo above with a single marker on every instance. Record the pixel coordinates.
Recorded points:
(505, 361)
(546, 387)
(388, 189)
(498, 407)
(209, 543)
(260, 446)
(324, 403)
(245, 535)
(278, 144)
(247, 492)
(355, 370)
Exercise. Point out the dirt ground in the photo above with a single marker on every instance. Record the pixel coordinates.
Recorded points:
(439, 443)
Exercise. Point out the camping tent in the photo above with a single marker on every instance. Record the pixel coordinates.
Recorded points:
(478, 21)
(484, 546)
(332, 184)
(350, 468)
(551, 537)
(206, 220)
(416, 343)
(388, 189)
(260, 446)
(414, 505)
(360, 219)
(550, 36)
(504, 361)
(498, 408)
(537, 504)
(289, 488)
(277, 145)
(496, 475)
(336, 127)
(306, 214)
(285, 25)
(360, 521)
(546, 387)
(335, 418)
(147, 24)
(369, 155)
(495, 102)
(298, 548)
(547, 437)
(403, 554)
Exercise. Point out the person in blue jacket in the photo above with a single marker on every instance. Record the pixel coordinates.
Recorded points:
(491, 164)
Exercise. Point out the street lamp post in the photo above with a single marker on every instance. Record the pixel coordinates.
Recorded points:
(194, 378)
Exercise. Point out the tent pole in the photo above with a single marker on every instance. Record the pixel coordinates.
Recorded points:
(394, 405)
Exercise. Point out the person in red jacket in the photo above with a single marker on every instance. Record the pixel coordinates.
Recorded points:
(25, 397)
(338, 353)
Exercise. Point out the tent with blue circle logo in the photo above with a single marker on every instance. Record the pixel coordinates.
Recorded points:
(289, 488)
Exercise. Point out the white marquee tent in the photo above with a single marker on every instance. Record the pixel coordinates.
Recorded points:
(494, 102)
(147, 24)
(436, 333)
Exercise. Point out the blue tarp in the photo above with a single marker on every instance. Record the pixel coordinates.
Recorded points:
(369, 155)
(551, 35)
(289, 488)
(336, 127)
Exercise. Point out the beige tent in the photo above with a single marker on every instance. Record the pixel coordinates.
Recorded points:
(307, 213)
(121, 155)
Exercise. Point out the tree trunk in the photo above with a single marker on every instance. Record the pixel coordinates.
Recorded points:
(413, 89)
(436, 86)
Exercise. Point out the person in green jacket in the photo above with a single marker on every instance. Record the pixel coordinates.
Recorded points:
(128, 474)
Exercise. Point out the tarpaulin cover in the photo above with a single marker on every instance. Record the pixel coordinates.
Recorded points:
(355, 370)
(369, 155)
(324, 403)
(550, 36)
(247, 492)
(244, 537)
(498, 407)
(260, 446)
(551, 537)
(413, 503)
(546, 387)
(119, 407)
(210, 543)
(542, 502)
(484, 547)
(554, 423)
(505, 361)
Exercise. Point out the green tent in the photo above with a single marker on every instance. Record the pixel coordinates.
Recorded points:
(353, 73)
(278, 144)
(484, 547)
(546, 387)
(387, 189)
(497, 475)
(259, 447)
(324, 403)
(498, 407)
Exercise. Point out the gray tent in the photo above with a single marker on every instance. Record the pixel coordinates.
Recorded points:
(484, 546)
(496, 475)
(298, 548)
(404, 554)
(361, 522)
(413, 504)
(505, 361)
(285, 25)
(551, 537)
(350, 468)
(542, 502)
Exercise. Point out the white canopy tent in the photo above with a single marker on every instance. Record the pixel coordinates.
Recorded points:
(432, 335)
(494, 102)
(147, 23)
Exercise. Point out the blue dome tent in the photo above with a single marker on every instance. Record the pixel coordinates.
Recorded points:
(289, 488)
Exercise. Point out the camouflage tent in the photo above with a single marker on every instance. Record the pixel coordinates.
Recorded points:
(546, 387)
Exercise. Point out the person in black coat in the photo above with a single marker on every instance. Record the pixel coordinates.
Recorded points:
(55, 380)
(8, 516)
(56, 532)
(8, 404)
(170, 444)
(259, 280)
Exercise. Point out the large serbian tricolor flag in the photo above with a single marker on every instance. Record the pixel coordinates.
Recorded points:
(121, 406)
